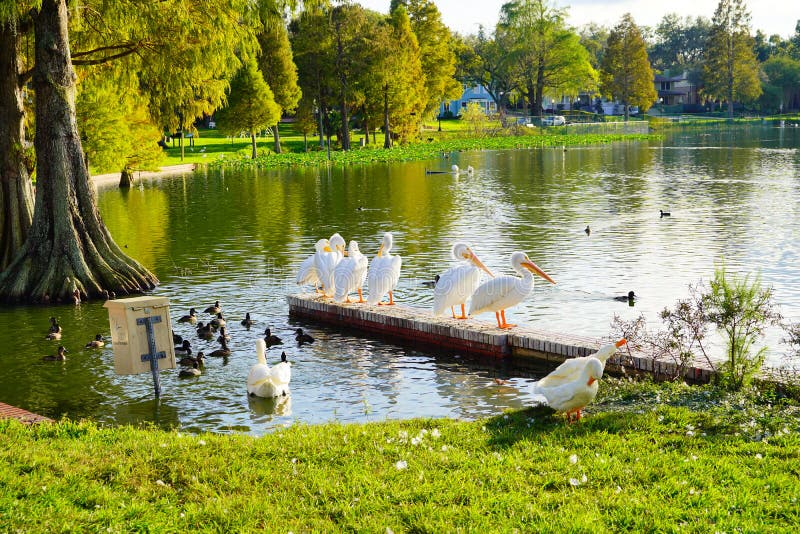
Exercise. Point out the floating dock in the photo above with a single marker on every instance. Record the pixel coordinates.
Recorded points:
(10, 412)
(420, 327)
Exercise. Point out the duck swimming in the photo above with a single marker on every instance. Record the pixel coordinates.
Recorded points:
(271, 339)
(204, 331)
(626, 298)
(59, 357)
(213, 310)
(222, 352)
(185, 349)
(664, 213)
(301, 337)
(247, 321)
(192, 372)
(431, 283)
(96, 343)
(218, 321)
(223, 334)
(191, 318)
(54, 332)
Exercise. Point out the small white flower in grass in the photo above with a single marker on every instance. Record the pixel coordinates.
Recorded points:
(389, 531)
(96, 506)
(694, 457)
(201, 442)
(573, 459)
(163, 445)
(618, 490)
(435, 433)
(689, 427)
(416, 441)
(483, 428)
(498, 456)
(183, 515)
(691, 491)
(400, 465)
(403, 434)
(444, 448)
(505, 417)
(160, 482)
(574, 482)
(759, 456)
(584, 478)
(690, 433)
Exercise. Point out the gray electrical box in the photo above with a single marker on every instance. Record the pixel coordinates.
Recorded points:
(129, 337)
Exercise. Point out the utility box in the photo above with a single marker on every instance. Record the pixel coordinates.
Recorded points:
(129, 334)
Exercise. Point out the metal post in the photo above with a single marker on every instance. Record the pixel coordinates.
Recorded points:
(153, 356)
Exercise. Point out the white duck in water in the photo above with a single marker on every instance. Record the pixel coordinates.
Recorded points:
(326, 263)
(263, 381)
(384, 272)
(350, 274)
(457, 284)
(307, 273)
(571, 369)
(570, 395)
(506, 291)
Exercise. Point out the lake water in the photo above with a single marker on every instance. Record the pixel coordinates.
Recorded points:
(238, 237)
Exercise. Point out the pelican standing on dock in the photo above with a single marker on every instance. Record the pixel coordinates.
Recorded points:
(456, 284)
(506, 291)
(307, 273)
(350, 274)
(384, 272)
(326, 263)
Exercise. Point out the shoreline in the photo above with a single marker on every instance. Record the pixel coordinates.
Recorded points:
(100, 180)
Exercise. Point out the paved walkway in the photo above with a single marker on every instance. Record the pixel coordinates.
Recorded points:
(10, 412)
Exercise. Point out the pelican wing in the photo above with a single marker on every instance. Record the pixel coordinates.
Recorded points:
(345, 278)
(566, 372)
(307, 273)
(567, 396)
(496, 294)
(326, 264)
(454, 287)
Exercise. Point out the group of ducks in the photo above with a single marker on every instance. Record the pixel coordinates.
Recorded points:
(337, 274)
(54, 333)
(262, 380)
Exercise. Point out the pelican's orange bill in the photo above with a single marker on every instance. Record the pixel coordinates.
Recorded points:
(480, 264)
(621, 342)
(536, 270)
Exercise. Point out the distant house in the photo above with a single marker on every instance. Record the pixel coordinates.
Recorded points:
(477, 94)
(676, 89)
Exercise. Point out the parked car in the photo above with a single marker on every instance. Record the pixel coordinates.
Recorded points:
(554, 120)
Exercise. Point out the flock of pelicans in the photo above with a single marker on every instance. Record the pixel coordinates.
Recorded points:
(337, 274)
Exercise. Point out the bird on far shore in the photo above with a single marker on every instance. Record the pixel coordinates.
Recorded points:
(630, 297)
(664, 213)
(588, 230)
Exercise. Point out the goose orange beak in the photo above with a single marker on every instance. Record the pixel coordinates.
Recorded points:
(532, 267)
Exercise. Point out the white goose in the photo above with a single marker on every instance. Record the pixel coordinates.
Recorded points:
(506, 291)
(350, 274)
(263, 381)
(384, 272)
(307, 273)
(456, 284)
(571, 369)
(573, 394)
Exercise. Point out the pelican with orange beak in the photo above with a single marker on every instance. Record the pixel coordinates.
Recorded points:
(503, 292)
(384, 272)
(458, 283)
(573, 395)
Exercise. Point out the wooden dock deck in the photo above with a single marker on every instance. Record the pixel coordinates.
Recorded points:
(420, 326)
(11, 412)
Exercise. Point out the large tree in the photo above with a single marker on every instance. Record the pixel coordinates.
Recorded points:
(436, 50)
(548, 56)
(279, 71)
(67, 246)
(679, 42)
(251, 105)
(730, 68)
(484, 61)
(626, 73)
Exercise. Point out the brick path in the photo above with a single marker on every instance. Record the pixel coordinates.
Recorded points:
(7, 411)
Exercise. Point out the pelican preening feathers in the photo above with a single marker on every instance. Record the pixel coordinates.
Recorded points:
(458, 283)
(384, 272)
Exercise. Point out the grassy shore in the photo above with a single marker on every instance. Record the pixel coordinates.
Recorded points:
(647, 458)
(212, 148)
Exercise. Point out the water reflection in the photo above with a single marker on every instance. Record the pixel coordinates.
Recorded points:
(238, 236)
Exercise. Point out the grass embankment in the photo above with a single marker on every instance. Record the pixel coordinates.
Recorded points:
(648, 458)
(211, 147)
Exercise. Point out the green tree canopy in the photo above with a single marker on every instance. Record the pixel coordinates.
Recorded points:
(626, 73)
(251, 105)
(730, 68)
(279, 71)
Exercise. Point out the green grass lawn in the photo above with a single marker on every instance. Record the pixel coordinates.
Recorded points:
(647, 458)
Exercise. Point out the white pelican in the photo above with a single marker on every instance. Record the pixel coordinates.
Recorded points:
(505, 291)
(350, 274)
(571, 369)
(384, 272)
(307, 273)
(326, 262)
(263, 381)
(572, 395)
(456, 284)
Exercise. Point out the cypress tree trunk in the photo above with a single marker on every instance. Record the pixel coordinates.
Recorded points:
(125, 178)
(387, 136)
(254, 154)
(68, 246)
(16, 193)
(276, 135)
